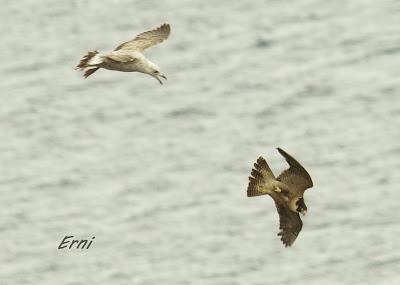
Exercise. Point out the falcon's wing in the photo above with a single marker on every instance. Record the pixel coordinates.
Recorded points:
(295, 176)
(290, 224)
(259, 176)
(146, 39)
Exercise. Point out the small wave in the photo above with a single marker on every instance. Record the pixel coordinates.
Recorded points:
(189, 112)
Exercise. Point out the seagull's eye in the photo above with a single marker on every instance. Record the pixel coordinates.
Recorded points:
(156, 72)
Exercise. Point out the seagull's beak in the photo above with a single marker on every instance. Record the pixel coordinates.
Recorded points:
(158, 77)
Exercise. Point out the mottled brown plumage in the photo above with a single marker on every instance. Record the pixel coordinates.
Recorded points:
(296, 177)
(287, 192)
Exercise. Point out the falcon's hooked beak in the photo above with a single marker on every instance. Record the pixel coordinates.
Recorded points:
(301, 206)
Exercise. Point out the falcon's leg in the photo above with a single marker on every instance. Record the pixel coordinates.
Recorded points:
(263, 189)
(284, 193)
(280, 187)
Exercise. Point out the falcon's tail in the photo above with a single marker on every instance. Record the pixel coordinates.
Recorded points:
(90, 63)
(261, 176)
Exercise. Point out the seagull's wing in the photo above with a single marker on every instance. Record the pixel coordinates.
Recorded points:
(122, 58)
(290, 224)
(296, 177)
(146, 39)
(260, 175)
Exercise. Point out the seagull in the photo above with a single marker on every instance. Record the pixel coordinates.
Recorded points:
(128, 56)
(286, 190)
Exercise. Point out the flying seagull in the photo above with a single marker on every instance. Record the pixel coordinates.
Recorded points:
(286, 190)
(128, 56)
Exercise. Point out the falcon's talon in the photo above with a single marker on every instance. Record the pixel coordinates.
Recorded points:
(261, 189)
(277, 189)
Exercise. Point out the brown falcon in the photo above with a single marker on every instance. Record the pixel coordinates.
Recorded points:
(287, 190)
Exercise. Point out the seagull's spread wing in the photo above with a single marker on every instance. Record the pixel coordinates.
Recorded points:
(147, 39)
(259, 177)
(122, 58)
(295, 176)
(290, 224)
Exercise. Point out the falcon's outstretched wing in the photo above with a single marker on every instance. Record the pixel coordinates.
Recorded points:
(290, 224)
(296, 177)
(146, 39)
(259, 177)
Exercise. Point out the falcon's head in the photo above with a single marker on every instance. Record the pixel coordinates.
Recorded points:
(301, 206)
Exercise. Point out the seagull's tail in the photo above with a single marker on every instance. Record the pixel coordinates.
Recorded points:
(90, 63)
(260, 179)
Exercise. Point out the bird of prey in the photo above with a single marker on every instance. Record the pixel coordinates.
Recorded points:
(128, 56)
(286, 190)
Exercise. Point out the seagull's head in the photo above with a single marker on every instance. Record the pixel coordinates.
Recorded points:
(301, 206)
(156, 73)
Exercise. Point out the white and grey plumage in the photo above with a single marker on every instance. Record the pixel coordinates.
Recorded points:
(286, 190)
(128, 56)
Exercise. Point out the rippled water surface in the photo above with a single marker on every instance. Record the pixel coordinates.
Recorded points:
(158, 173)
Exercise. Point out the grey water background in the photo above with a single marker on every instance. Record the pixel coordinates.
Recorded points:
(158, 173)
